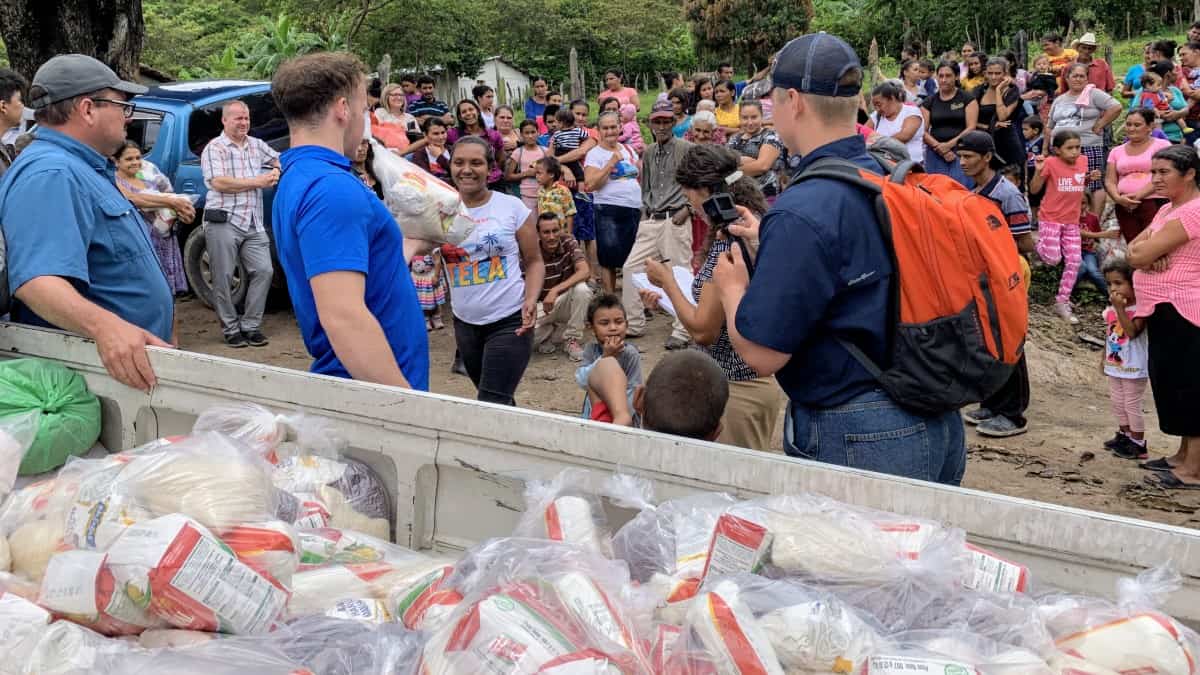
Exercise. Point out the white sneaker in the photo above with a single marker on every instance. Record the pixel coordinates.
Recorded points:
(1063, 310)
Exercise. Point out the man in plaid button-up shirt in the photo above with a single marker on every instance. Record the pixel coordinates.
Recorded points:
(236, 169)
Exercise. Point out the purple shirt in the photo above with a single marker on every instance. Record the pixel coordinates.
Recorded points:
(494, 139)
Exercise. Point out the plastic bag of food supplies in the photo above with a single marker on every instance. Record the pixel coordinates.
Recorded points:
(250, 424)
(17, 432)
(59, 648)
(335, 492)
(182, 573)
(746, 624)
(340, 565)
(69, 423)
(328, 646)
(1131, 636)
(667, 546)
(569, 508)
(423, 206)
(205, 477)
(424, 601)
(272, 549)
(959, 652)
(538, 606)
(80, 587)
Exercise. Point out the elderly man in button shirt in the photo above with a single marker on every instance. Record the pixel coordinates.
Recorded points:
(237, 168)
(665, 232)
(79, 256)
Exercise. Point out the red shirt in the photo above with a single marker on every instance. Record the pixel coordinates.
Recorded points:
(1099, 74)
(1090, 224)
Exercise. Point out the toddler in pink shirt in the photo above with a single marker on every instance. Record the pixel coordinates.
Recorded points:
(631, 131)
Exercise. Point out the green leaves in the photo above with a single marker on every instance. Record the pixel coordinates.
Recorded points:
(746, 32)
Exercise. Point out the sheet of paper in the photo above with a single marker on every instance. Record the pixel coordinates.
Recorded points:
(683, 277)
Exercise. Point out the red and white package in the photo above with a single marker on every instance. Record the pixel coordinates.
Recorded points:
(727, 637)
(990, 572)
(738, 545)
(425, 602)
(570, 508)
(1146, 642)
(187, 576)
(665, 637)
(271, 549)
(80, 587)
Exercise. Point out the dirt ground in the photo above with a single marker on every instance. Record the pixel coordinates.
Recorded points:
(1061, 459)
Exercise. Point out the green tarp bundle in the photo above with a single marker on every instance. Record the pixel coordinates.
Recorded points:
(70, 414)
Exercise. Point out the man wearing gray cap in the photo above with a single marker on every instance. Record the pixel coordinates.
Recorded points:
(819, 302)
(79, 256)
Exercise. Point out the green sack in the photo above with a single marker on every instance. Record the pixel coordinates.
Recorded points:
(70, 422)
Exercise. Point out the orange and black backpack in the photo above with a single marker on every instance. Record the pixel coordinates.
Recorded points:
(959, 308)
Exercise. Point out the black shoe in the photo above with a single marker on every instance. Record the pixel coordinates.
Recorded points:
(256, 339)
(1115, 442)
(237, 341)
(1129, 449)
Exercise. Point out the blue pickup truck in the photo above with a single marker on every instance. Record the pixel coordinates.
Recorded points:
(173, 122)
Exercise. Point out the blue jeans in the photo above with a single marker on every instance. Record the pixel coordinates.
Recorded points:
(935, 164)
(871, 432)
(1090, 269)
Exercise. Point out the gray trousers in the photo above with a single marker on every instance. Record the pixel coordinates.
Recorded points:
(226, 246)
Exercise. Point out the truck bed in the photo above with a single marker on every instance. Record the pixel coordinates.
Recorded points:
(456, 468)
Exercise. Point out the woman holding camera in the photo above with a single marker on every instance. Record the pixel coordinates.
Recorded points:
(706, 171)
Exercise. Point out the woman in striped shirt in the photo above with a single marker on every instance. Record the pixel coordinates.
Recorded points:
(1167, 281)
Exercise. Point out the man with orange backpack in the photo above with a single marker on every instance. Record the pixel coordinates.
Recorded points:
(853, 315)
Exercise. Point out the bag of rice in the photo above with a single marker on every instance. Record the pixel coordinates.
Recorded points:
(424, 207)
(79, 587)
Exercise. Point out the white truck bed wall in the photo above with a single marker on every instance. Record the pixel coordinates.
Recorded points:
(456, 467)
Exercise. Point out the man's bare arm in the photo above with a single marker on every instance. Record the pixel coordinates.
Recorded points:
(355, 333)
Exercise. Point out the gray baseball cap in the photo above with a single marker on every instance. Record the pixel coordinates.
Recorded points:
(70, 75)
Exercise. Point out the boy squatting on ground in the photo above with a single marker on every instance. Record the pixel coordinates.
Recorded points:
(685, 394)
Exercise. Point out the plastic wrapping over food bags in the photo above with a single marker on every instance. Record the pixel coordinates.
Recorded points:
(69, 419)
(250, 424)
(937, 651)
(330, 646)
(21, 625)
(205, 477)
(667, 546)
(423, 206)
(272, 549)
(739, 624)
(1129, 636)
(342, 565)
(63, 648)
(539, 606)
(223, 657)
(80, 587)
(334, 492)
(185, 575)
(570, 509)
(17, 433)
(425, 602)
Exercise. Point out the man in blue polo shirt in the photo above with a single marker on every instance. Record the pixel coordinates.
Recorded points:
(823, 272)
(79, 255)
(343, 253)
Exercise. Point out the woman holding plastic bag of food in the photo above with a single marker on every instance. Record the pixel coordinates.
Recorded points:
(494, 307)
(150, 191)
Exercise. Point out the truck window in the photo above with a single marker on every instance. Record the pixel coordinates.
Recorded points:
(144, 132)
(266, 122)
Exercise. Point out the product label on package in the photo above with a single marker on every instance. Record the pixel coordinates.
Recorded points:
(69, 586)
(738, 545)
(591, 605)
(367, 610)
(904, 665)
(909, 538)
(989, 572)
(243, 600)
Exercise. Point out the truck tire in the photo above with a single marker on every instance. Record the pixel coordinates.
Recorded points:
(199, 276)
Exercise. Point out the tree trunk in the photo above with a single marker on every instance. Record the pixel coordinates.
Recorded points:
(110, 30)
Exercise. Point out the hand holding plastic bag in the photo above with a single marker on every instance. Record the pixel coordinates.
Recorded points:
(425, 208)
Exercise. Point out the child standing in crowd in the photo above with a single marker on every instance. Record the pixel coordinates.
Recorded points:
(521, 163)
(548, 126)
(427, 278)
(570, 144)
(1034, 132)
(1063, 177)
(1161, 100)
(928, 83)
(1090, 233)
(631, 131)
(553, 197)
(1125, 362)
(606, 319)
(1041, 88)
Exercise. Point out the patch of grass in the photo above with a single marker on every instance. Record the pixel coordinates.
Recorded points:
(1044, 286)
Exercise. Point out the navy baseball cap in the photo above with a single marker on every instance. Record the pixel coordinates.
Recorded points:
(815, 64)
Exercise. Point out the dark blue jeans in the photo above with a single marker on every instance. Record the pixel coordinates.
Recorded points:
(1090, 269)
(495, 356)
(871, 432)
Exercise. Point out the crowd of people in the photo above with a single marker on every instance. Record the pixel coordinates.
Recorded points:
(783, 284)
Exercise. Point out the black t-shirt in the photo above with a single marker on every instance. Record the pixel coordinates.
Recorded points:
(987, 113)
(947, 119)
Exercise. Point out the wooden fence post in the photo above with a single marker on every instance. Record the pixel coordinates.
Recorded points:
(1020, 45)
(385, 69)
(576, 78)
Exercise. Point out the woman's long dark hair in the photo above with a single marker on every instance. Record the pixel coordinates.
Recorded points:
(697, 84)
(462, 127)
(707, 167)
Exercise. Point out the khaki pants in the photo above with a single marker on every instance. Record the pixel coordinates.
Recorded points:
(751, 413)
(569, 312)
(655, 238)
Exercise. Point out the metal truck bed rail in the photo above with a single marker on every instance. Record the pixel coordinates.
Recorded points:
(456, 467)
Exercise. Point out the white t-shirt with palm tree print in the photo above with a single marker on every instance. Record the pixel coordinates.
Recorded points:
(484, 272)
